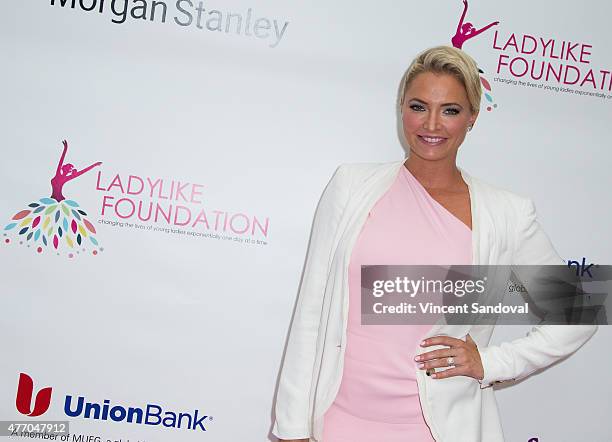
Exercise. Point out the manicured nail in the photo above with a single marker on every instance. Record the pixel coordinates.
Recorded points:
(423, 342)
(417, 358)
(434, 375)
(420, 365)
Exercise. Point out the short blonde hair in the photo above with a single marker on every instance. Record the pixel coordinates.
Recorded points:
(446, 60)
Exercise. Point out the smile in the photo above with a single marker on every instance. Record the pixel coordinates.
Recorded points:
(432, 141)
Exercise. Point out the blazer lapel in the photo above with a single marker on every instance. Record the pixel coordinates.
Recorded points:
(362, 199)
(480, 252)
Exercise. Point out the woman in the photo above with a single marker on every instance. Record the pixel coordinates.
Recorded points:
(341, 381)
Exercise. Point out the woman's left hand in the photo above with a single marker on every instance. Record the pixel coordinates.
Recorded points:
(465, 357)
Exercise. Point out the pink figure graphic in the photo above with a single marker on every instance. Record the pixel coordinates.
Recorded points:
(55, 222)
(65, 173)
(465, 31)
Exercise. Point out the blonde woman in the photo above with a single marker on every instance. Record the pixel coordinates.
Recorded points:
(344, 382)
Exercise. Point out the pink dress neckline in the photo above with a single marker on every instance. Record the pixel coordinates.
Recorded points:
(410, 177)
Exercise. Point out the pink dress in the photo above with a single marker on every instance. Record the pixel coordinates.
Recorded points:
(378, 400)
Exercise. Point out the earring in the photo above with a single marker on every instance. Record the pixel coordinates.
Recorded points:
(470, 127)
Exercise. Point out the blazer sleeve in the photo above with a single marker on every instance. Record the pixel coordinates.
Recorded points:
(543, 344)
(293, 394)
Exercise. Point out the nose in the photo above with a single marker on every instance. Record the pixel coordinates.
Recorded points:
(432, 122)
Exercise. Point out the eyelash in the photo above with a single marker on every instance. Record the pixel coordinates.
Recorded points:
(420, 108)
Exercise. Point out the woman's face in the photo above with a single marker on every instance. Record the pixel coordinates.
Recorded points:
(436, 114)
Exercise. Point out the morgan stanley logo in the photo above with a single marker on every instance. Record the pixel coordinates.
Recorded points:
(25, 388)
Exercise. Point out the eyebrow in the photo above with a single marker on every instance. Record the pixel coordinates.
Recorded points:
(425, 102)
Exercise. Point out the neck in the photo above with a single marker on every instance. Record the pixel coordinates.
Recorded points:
(435, 174)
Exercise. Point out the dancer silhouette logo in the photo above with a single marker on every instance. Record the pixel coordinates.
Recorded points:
(56, 223)
(466, 31)
(23, 401)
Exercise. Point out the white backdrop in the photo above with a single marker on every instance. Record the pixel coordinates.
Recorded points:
(194, 322)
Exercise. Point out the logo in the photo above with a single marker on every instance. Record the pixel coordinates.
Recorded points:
(23, 401)
(187, 13)
(151, 414)
(581, 267)
(54, 222)
(465, 32)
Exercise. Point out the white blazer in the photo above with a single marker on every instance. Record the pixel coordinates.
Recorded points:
(458, 408)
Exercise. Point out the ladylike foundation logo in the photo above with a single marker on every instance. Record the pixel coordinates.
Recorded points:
(54, 223)
(546, 63)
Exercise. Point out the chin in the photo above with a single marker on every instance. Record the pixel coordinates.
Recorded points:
(428, 152)
(430, 156)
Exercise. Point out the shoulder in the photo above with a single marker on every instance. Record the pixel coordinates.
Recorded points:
(357, 173)
(502, 200)
(345, 181)
(363, 169)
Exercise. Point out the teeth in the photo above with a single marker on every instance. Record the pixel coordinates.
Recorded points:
(432, 140)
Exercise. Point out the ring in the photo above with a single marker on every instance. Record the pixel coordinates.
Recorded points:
(450, 361)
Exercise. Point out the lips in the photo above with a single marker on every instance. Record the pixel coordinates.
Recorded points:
(431, 141)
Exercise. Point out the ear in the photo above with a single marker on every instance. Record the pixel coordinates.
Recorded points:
(474, 117)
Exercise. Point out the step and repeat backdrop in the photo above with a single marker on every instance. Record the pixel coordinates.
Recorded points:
(162, 160)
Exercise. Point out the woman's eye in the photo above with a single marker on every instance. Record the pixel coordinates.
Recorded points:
(417, 107)
(451, 111)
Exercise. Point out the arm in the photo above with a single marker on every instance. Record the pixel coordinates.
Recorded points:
(480, 31)
(87, 169)
(61, 161)
(465, 7)
(544, 344)
(293, 395)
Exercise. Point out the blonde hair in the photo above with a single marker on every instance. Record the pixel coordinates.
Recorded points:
(446, 60)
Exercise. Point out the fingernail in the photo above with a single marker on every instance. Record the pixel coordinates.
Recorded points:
(420, 365)
(423, 342)
(417, 358)
(434, 375)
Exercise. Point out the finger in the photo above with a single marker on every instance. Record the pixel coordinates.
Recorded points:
(435, 354)
(442, 340)
(442, 362)
(457, 371)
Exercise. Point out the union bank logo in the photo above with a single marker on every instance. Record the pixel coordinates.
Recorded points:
(36, 404)
(25, 394)
(55, 223)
